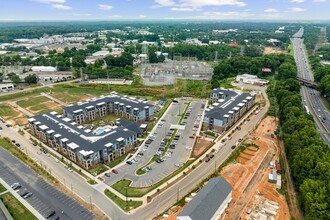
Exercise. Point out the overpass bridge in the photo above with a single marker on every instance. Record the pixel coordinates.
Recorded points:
(307, 83)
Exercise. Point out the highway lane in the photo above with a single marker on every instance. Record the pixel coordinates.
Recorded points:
(311, 98)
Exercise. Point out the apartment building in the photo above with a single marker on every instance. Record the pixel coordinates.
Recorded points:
(85, 147)
(123, 106)
(227, 107)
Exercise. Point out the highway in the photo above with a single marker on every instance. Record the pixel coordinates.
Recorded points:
(160, 203)
(311, 98)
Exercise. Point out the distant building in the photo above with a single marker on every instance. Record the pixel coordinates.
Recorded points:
(210, 202)
(44, 69)
(102, 53)
(228, 106)
(250, 79)
(6, 87)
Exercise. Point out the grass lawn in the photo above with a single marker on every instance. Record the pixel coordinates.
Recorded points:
(118, 160)
(15, 208)
(225, 83)
(2, 188)
(139, 192)
(7, 112)
(32, 101)
(122, 203)
(98, 170)
(23, 94)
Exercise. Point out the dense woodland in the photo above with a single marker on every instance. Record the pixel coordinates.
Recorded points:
(307, 154)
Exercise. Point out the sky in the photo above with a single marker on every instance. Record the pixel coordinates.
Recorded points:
(45, 10)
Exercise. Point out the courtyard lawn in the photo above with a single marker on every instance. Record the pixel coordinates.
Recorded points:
(32, 101)
(2, 188)
(7, 111)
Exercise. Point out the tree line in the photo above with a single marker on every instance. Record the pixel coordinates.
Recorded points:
(308, 156)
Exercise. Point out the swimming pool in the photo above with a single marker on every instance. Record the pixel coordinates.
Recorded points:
(99, 131)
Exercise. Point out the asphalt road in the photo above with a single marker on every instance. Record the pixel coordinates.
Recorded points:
(311, 97)
(46, 197)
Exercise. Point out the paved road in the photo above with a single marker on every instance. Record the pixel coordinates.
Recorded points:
(311, 98)
(45, 196)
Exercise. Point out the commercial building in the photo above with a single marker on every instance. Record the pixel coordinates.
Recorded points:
(251, 79)
(123, 106)
(84, 146)
(210, 202)
(44, 69)
(6, 87)
(227, 107)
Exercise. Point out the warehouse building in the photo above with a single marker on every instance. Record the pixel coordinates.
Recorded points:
(123, 106)
(44, 69)
(228, 106)
(210, 202)
(87, 148)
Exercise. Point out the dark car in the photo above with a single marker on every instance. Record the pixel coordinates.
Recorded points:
(56, 218)
(17, 145)
(23, 193)
(107, 174)
(207, 159)
(211, 156)
(129, 162)
(50, 214)
(114, 171)
(13, 141)
(29, 194)
(233, 147)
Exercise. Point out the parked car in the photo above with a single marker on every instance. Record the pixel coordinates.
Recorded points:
(50, 214)
(15, 186)
(70, 170)
(114, 171)
(107, 174)
(129, 162)
(29, 194)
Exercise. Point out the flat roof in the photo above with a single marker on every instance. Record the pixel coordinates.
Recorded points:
(73, 145)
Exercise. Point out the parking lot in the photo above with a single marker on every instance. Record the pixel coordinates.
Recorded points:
(45, 197)
(178, 152)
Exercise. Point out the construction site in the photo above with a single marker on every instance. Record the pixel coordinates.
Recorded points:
(167, 72)
(255, 193)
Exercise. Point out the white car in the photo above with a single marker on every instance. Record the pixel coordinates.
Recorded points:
(57, 161)
(177, 165)
(70, 170)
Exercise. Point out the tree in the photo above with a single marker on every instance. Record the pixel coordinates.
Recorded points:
(14, 78)
(287, 71)
(31, 79)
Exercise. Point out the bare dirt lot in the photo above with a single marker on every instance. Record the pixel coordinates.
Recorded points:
(269, 50)
(201, 145)
(249, 176)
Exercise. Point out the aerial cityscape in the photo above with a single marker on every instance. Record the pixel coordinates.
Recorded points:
(164, 110)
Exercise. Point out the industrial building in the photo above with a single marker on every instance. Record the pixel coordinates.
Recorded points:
(251, 79)
(227, 107)
(44, 69)
(210, 202)
(123, 106)
(6, 87)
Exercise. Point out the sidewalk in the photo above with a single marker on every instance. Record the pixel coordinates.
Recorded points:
(21, 200)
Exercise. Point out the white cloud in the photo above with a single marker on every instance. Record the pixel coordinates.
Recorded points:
(196, 4)
(50, 1)
(165, 3)
(296, 9)
(202, 3)
(61, 7)
(317, 1)
(297, 1)
(142, 16)
(115, 16)
(105, 7)
(271, 10)
(80, 14)
(184, 9)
